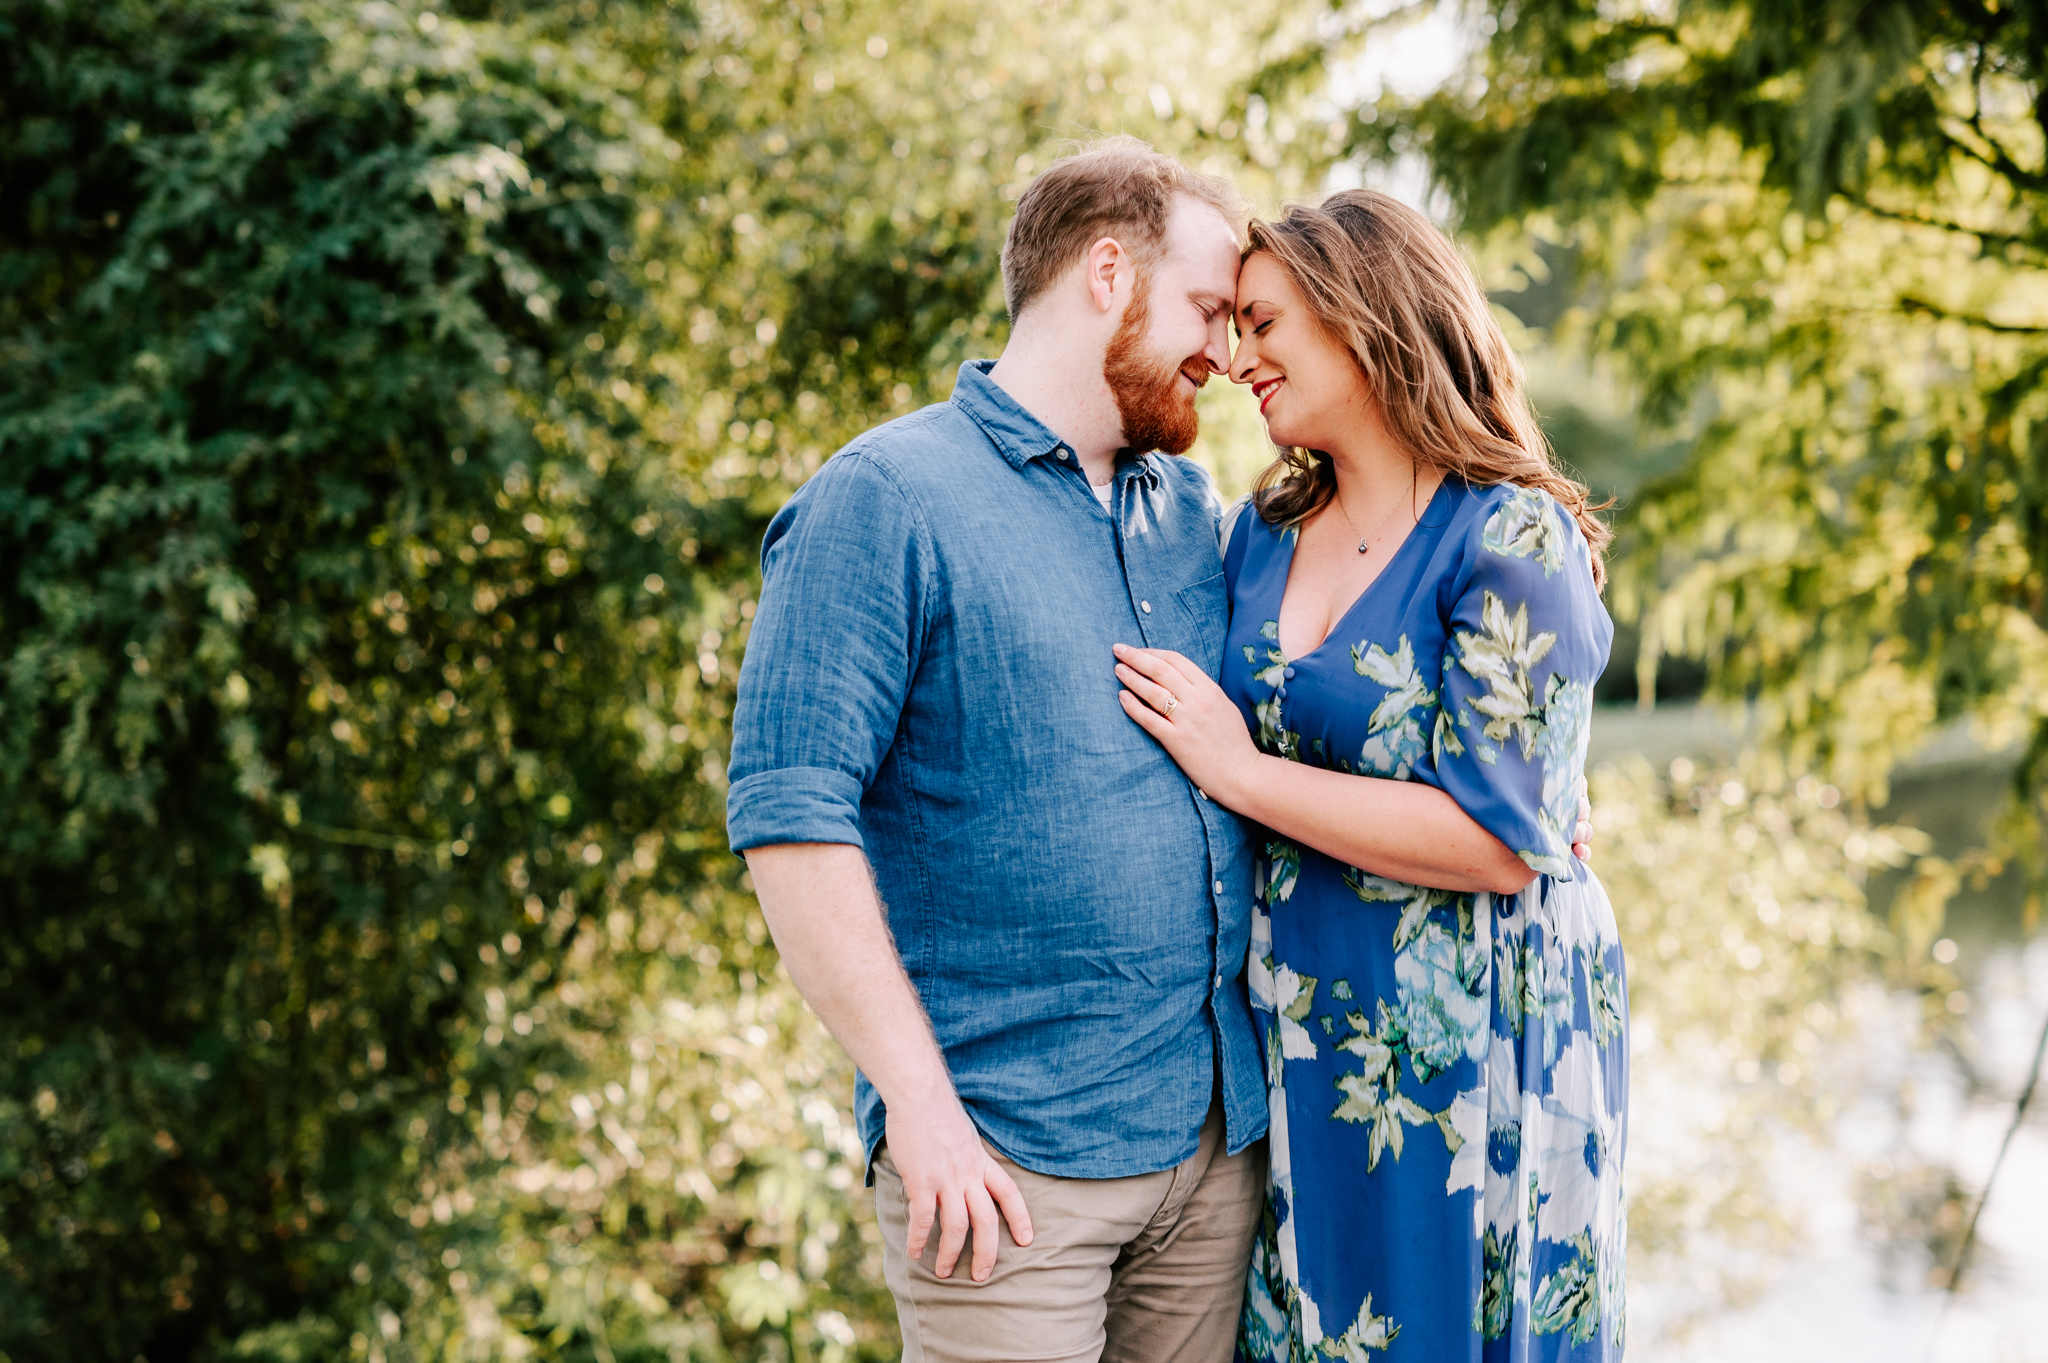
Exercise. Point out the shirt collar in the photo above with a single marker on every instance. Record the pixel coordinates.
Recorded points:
(1020, 436)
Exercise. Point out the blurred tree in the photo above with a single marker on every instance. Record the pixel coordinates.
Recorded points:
(1756, 978)
(1815, 237)
(331, 641)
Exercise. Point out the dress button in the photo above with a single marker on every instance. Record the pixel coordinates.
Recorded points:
(1281, 690)
(1289, 674)
(1145, 606)
(1219, 887)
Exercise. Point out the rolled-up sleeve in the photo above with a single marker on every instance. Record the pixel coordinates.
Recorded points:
(845, 571)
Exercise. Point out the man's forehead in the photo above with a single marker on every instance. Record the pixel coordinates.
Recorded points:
(1196, 221)
(1205, 242)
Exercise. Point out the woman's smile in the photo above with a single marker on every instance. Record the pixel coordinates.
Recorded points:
(1264, 390)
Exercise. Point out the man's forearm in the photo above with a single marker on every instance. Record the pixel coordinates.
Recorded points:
(827, 920)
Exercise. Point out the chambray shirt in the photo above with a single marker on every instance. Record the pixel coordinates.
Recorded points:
(929, 678)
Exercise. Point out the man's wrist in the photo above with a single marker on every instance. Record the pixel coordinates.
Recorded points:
(920, 1093)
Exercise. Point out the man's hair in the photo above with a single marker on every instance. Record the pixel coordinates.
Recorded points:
(1113, 187)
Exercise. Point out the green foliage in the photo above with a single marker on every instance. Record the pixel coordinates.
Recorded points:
(329, 656)
(1812, 236)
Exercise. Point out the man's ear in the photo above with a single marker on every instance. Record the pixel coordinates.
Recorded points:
(1106, 266)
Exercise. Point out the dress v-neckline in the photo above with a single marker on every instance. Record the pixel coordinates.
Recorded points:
(1293, 543)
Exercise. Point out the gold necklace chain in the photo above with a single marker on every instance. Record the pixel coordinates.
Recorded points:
(1414, 477)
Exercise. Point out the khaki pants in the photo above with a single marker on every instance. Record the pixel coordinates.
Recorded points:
(1148, 1269)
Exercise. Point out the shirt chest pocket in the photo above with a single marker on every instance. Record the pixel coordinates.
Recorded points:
(1202, 618)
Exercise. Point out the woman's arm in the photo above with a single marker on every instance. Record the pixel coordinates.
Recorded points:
(1403, 830)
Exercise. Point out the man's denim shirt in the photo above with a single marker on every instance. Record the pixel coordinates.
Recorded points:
(929, 678)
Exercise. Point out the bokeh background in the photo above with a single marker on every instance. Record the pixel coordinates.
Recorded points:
(392, 396)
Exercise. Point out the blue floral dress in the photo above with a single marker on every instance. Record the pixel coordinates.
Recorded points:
(1448, 1071)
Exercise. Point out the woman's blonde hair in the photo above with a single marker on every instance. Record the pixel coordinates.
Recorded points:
(1386, 284)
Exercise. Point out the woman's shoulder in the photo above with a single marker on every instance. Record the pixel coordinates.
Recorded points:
(1253, 525)
(1251, 543)
(1504, 524)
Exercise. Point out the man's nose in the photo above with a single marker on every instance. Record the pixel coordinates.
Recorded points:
(1217, 352)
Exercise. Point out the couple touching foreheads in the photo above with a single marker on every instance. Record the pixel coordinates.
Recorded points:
(1112, 831)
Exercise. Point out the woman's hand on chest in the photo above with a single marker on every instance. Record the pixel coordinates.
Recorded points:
(1199, 725)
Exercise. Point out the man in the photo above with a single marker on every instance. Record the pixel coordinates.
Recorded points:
(928, 721)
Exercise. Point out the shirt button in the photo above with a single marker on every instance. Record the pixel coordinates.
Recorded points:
(1063, 454)
(1219, 887)
(1145, 606)
(1218, 984)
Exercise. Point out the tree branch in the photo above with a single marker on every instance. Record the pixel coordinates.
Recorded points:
(1986, 236)
(1935, 310)
(1996, 160)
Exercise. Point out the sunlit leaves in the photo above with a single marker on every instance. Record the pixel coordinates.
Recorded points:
(284, 719)
(1813, 239)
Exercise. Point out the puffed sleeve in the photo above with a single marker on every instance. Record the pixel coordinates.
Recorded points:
(1527, 638)
(845, 572)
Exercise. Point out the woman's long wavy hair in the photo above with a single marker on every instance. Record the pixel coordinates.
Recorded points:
(1385, 283)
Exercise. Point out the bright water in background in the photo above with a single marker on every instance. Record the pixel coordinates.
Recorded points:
(1877, 1209)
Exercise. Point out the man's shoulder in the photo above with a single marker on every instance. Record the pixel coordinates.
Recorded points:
(914, 445)
(894, 458)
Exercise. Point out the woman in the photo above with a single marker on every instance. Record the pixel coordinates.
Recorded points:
(1415, 599)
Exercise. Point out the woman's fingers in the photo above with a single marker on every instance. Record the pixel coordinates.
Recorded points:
(1171, 670)
(1143, 660)
(1159, 697)
(1582, 836)
(1149, 719)
(1152, 722)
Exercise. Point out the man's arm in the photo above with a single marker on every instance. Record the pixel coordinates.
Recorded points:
(820, 902)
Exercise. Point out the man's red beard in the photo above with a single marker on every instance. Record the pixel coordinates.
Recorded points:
(1157, 414)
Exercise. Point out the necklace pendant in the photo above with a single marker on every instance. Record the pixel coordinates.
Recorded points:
(1362, 546)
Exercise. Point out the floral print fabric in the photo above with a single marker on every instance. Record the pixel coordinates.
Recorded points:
(1447, 1072)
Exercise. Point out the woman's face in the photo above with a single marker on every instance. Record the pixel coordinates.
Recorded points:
(1309, 387)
